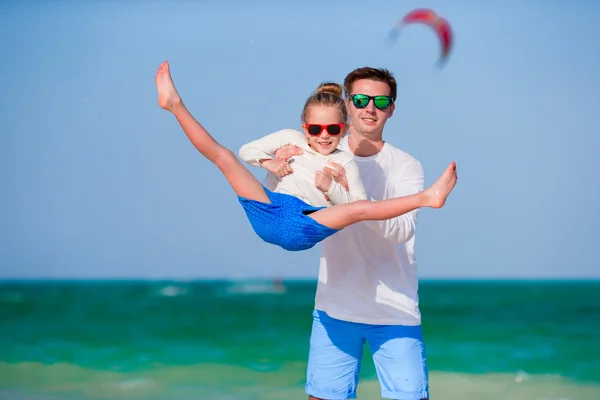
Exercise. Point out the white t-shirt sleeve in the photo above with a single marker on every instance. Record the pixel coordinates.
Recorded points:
(338, 193)
(410, 180)
(265, 147)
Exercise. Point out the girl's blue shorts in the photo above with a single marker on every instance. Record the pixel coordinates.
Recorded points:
(285, 221)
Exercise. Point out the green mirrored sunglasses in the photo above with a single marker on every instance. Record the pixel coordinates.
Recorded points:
(362, 100)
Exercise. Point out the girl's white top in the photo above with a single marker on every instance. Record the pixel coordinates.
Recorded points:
(301, 183)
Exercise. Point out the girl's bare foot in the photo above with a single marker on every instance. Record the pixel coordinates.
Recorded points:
(437, 193)
(168, 98)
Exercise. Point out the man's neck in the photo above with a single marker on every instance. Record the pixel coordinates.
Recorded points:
(364, 147)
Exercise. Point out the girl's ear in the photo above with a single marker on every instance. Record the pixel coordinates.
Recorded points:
(304, 129)
(306, 135)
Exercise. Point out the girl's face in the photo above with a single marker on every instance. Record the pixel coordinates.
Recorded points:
(324, 128)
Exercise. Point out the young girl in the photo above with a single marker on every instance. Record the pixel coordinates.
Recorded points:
(319, 146)
(282, 218)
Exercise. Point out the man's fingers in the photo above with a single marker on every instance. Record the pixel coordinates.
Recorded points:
(290, 150)
(296, 150)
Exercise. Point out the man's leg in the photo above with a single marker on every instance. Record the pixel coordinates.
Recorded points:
(334, 359)
(399, 357)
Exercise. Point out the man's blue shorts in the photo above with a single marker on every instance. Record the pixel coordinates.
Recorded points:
(285, 221)
(336, 349)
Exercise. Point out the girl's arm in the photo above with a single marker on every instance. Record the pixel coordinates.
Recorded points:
(338, 193)
(262, 149)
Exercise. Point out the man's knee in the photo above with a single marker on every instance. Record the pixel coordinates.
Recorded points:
(334, 358)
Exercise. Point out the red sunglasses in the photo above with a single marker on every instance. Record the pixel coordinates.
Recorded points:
(316, 129)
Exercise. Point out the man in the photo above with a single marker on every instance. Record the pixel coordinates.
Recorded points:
(367, 289)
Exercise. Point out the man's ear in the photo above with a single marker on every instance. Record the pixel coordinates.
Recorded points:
(345, 130)
(392, 108)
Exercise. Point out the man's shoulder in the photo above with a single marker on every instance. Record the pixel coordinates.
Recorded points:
(402, 157)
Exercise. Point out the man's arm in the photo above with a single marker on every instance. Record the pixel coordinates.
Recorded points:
(401, 229)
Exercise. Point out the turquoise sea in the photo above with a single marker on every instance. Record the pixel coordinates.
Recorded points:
(242, 340)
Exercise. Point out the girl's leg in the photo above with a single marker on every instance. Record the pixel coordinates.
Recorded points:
(239, 177)
(340, 216)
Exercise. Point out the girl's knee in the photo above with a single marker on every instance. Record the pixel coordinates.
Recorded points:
(225, 158)
(360, 209)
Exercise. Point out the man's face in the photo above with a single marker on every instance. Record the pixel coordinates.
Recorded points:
(369, 121)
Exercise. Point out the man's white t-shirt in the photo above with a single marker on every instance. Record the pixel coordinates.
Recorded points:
(368, 271)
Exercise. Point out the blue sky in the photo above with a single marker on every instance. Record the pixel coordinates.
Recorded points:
(97, 181)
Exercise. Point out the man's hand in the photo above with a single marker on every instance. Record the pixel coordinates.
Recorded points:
(277, 167)
(338, 173)
(287, 151)
(323, 180)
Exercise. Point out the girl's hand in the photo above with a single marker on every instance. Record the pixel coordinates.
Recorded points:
(338, 173)
(323, 180)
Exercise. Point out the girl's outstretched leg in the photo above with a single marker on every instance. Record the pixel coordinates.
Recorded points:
(340, 216)
(241, 180)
